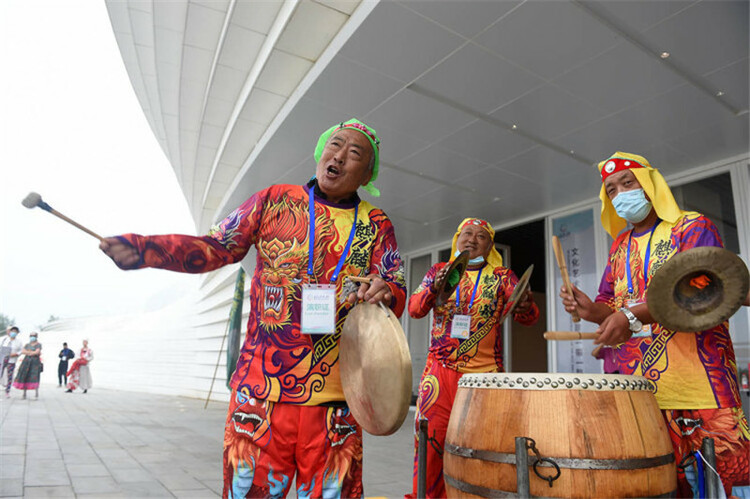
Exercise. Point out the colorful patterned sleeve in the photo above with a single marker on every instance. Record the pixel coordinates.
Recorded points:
(386, 261)
(607, 285)
(507, 285)
(423, 298)
(695, 230)
(227, 242)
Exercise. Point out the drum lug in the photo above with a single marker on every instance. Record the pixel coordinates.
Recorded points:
(531, 445)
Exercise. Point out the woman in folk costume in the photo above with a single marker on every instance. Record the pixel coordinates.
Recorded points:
(79, 375)
(694, 372)
(30, 370)
(466, 334)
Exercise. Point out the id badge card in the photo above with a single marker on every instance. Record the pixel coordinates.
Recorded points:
(645, 331)
(318, 309)
(460, 326)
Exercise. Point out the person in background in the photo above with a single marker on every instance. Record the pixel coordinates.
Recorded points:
(10, 348)
(30, 370)
(80, 372)
(62, 369)
(466, 334)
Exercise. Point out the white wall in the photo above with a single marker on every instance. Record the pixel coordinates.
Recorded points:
(173, 350)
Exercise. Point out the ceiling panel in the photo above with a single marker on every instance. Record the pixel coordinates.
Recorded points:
(730, 136)
(606, 136)
(548, 111)
(438, 204)
(442, 163)
(196, 64)
(418, 42)
(242, 139)
(677, 112)
(635, 16)
(466, 17)
(542, 163)
(203, 27)
(493, 183)
(734, 81)
(262, 107)
(227, 83)
(396, 145)
(241, 47)
(548, 38)
(635, 75)
(486, 143)
(282, 73)
(340, 87)
(478, 79)
(419, 116)
(706, 36)
(257, 15)
(310, 29)
(170, 15)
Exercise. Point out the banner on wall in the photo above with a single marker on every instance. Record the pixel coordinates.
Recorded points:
(577, 238)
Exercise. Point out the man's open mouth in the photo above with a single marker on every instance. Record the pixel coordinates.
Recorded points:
(332, 170)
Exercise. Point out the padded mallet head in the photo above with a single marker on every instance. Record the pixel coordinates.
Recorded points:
(33, 200)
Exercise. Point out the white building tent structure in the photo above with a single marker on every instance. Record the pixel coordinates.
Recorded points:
(494, 109)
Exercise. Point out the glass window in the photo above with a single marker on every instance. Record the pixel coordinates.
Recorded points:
(712, 197)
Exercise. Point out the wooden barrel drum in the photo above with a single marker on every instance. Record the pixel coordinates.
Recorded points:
(604, 432)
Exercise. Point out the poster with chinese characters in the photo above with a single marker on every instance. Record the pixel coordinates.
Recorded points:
(576, 234)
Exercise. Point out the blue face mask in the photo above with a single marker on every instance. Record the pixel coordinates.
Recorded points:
(632, 205)
(473, 261)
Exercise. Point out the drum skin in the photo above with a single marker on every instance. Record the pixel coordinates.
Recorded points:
(619, 423)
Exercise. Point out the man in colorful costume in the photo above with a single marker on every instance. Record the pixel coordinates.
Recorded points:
(466, 334)
(287, 413)
(694, 372)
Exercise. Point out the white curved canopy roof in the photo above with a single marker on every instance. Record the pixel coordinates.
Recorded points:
(496, 109)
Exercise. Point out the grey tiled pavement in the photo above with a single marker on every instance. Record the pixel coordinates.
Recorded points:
(109, 443)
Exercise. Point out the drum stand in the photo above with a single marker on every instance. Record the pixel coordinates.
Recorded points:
(422, 459)
(711, 479)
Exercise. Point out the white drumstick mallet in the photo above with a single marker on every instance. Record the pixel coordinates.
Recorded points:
(34, 200)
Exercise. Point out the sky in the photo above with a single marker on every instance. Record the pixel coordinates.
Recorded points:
(72, 129)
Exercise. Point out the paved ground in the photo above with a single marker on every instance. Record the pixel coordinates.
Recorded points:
(110, 443)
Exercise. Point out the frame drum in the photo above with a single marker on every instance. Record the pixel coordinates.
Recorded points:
(604, 433)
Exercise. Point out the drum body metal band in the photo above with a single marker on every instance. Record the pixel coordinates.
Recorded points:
(564, 462)
(481, 491)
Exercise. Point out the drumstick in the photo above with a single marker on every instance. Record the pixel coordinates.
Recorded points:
(33, 200)
(569, 335)
(564, 272)
(361, 280)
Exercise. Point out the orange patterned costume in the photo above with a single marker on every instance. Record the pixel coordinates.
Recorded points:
(287, 391)
(448, 357)
(694, 372)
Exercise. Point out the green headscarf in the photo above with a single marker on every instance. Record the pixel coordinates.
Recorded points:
(368, 132)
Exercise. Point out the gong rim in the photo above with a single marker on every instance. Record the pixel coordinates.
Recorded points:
(518, 290)
(459, 264)
(698, 289)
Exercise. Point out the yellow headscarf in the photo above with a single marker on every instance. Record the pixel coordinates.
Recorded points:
(651, 181)
(494, 258)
